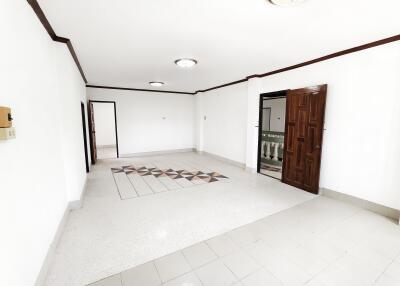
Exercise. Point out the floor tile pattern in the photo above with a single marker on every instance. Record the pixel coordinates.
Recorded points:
(291, 248)
(109, 235)
(135, 181)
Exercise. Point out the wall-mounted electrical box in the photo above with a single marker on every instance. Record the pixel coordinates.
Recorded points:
(7, 133)
(6, 129)
(5, 117)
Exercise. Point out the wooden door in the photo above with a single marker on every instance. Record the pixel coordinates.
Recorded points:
(92, 133)
(305, 111)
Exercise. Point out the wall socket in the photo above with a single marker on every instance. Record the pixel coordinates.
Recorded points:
(7, 133)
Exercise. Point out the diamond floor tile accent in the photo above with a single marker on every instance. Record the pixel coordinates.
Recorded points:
(136, 181)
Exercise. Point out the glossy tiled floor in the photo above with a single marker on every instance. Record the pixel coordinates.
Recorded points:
(109, 235)
(318, 243)
(248, 230)
(107, 152)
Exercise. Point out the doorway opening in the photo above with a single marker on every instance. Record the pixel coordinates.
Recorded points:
(103, 130)
(271, 133)
(290, 135)
(84, 136)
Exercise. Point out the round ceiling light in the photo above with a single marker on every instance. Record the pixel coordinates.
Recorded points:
(186, 63)
(156, 83)
(286, 2)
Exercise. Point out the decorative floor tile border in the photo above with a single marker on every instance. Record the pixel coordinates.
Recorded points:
(136, 181)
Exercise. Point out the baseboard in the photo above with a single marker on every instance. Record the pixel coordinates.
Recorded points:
(251, 170)
(374, 207)
(223, 159)
(164, 152)
(52, 249)
(73, 205)
(106, 146)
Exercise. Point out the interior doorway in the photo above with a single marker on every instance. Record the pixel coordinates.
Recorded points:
(84, 136)
(291, 124)
(103, 130)
(271, 133)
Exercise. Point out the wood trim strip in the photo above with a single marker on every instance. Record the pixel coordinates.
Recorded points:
(138, 89)
(46, 24)
(75, 57)
(317, 60)
(223, 85)
(307, 63)
(42, 17)
(330, 56)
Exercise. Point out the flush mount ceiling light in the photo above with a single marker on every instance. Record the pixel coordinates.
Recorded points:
(186, 63)
(286, 2)
(156, 83)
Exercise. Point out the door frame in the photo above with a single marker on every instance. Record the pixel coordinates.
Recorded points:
(268, 95)
(115, 120)
(85, 136)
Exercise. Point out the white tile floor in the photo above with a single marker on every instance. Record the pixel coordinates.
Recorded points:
(249, 230)
(109, 152)
(321, 242)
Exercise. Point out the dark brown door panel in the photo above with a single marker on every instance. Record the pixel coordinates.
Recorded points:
(305, 111)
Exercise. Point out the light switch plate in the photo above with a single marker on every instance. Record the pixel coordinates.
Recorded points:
(7, 133)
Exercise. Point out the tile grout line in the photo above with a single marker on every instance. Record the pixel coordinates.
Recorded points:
(193, 269)
(168, 189)
(145, 180)
(115, 182)
(137, 194)
(155, 266)
(242, 248)
(384, 271)
(120, 277)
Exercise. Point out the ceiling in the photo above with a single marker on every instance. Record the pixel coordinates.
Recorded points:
(127, 43)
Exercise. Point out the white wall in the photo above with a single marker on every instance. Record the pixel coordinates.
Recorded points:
(225, 125)
(104, 123)
(360, 151)
(278, 111)
(43, 168)
(149, 122)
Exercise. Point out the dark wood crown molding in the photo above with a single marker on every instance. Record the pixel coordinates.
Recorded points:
(138, 89)
(46, 24)
(307, 63)
(54, 37)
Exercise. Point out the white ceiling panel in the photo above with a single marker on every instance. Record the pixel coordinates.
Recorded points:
(128, 43)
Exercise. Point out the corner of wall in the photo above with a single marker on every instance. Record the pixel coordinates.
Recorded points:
(253, 90)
